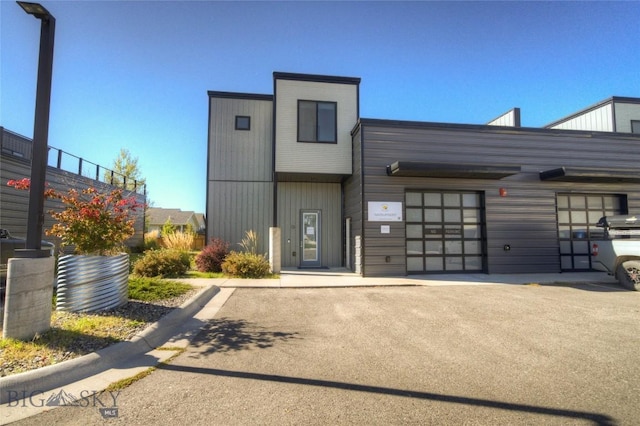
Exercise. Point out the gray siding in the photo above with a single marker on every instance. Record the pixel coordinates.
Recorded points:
(624, 113)
(353, 195)
(237, 207)
(240, 155)
(15, 145)
(525, 219)
(239, 176)
(14, 205)
(296, 196)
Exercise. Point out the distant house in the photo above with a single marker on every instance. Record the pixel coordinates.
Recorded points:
(181, 220)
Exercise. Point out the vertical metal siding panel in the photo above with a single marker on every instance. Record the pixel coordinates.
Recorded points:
(599, 119)
(296, 196)
(525, 219)
(240, 207)
(506, 119)
(240, 154)
(239, 177)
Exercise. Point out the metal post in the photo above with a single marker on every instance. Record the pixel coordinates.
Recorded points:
(35, 217)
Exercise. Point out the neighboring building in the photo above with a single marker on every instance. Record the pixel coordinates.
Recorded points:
(616, 114)
(64, 171)
(181, 220)
(510, 118)
(388, 197)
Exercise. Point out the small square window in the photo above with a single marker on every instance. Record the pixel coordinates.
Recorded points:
(635, 126)
(243, 122)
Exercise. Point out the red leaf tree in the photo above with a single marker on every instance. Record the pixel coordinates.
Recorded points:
(95, 223)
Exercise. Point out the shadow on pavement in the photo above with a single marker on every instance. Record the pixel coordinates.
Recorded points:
(598, 288)
(596, 418)
(229, 335)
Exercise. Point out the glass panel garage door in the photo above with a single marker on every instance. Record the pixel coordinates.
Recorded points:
(444, 231)
(577, 218)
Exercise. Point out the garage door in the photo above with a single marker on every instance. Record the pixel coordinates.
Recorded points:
(577, 217)
(444, 232)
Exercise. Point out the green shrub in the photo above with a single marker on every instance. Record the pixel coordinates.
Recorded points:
(246, 265)
(211, 257)
(151, 240)
(152, 289)
(151, 244)
(162, 263)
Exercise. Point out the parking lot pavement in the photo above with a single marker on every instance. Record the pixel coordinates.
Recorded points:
(500, 354)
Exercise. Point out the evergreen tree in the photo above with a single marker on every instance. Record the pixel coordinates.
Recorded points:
(127, 173)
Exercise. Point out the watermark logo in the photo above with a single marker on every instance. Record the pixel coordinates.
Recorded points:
(108, 413)
(61, 398)
(106, 402)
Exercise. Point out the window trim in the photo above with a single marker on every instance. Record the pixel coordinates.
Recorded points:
(238, 127)
(335, 121)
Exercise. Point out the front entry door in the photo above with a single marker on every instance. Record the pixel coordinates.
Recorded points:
(311, 242)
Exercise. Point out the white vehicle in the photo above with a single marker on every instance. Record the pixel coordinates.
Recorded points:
(619, 252)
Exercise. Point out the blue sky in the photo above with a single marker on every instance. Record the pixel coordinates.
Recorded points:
(135, 75)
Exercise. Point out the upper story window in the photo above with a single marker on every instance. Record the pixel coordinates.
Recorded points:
(635, 126)
(243, 122)
(317, 121)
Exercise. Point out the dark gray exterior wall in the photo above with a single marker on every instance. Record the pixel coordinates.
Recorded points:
(525, 219)
(353, 196)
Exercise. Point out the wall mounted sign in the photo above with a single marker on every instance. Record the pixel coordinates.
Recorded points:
(380, 211)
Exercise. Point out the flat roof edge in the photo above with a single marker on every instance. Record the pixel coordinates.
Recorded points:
(315, 78)
(488, 128)
(239, 95)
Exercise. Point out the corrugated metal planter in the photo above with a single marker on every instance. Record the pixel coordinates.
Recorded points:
(92, 283)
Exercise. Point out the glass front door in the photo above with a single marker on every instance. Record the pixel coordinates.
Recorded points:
(311, 242)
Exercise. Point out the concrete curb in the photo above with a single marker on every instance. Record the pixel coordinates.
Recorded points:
(54, 376)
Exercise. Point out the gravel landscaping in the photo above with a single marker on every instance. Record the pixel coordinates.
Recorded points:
(141, 314)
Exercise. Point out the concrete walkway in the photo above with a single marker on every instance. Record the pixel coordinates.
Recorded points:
(26, 394)
(340, 277)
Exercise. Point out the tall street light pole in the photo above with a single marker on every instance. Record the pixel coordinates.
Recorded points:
(35, 218)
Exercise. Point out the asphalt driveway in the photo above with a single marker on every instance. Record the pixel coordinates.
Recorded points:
(501, 354)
